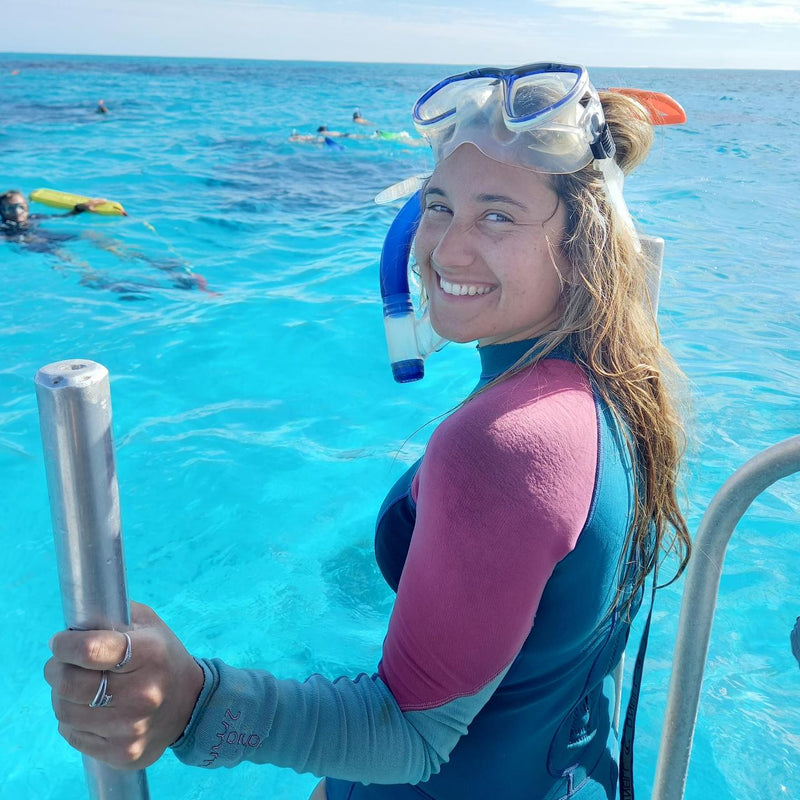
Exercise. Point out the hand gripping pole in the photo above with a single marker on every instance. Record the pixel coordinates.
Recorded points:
(75, 418)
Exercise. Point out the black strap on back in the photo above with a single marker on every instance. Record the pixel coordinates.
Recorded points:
(626, 791)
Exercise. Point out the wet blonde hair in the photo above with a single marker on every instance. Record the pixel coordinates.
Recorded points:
(609, 320)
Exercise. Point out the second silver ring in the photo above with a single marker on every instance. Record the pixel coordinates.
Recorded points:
(101, 698)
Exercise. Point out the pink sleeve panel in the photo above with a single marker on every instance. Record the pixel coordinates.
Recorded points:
(502, 495)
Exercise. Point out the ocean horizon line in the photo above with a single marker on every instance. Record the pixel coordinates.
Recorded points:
(254, 59)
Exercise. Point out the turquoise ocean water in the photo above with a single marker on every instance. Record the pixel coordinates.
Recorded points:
(257, 424)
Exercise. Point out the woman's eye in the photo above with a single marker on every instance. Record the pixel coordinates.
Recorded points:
(437, 208)
(497, 216)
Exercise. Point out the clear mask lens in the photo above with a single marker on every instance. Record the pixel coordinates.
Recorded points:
(446, 101)
(538, 95)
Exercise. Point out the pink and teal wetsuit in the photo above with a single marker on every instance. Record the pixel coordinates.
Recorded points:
(505, 546)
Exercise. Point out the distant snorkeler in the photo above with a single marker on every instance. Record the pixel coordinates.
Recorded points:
(324, 136)
(359, 120)
(323, 130)
(101, 107)
(795, 639)
(18, 226)
(312, 138)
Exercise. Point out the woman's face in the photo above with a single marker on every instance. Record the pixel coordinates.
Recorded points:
(488, 249)
(15, 209)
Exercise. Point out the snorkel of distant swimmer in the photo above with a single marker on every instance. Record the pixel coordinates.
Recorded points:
(544, 117)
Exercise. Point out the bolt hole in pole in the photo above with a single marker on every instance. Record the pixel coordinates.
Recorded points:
(74, 401)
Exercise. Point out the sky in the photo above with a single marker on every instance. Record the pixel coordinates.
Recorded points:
(725, 34)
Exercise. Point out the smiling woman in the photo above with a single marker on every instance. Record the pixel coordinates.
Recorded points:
(519, 544)
(489, 251)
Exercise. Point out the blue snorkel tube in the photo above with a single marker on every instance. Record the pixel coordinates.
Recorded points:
(409, 339)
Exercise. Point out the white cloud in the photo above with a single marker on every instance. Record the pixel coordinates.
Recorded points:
(657, 12)
(666, 33)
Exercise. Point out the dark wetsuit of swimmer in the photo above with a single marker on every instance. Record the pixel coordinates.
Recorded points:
(31, 235)
(504, 545)
(39, 239)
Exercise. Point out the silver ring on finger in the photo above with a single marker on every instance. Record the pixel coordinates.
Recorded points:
(128, 652)
(101, 698)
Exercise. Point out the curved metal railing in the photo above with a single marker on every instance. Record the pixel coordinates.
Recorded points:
(698, 605)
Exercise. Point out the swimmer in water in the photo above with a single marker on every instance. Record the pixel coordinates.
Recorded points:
(18, 226)
(312, 138)
(323, 130)
(359, 120)
(101, 108)
(15, 212)
(325, 136)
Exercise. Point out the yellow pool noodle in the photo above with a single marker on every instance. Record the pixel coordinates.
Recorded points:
(56, 199)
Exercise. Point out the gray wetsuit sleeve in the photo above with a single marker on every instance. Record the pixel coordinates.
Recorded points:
(351, 729)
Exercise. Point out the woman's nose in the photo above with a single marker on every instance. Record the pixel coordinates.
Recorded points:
(454, 248)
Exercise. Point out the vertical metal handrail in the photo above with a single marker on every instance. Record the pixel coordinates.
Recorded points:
(75, 418)
(698, 605)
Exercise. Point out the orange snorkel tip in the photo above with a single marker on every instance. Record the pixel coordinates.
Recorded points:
(663, 109)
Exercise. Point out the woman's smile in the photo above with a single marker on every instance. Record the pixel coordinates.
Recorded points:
(463, 289)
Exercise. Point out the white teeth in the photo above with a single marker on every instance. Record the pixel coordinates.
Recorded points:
(462, 288)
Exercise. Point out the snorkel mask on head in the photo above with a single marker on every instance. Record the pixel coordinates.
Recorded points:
(543, 117)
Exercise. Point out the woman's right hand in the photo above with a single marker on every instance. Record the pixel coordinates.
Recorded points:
(89, 205)
(152, 695)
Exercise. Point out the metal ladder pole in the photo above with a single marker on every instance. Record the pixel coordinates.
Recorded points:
(698, 605)
(75, 418)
